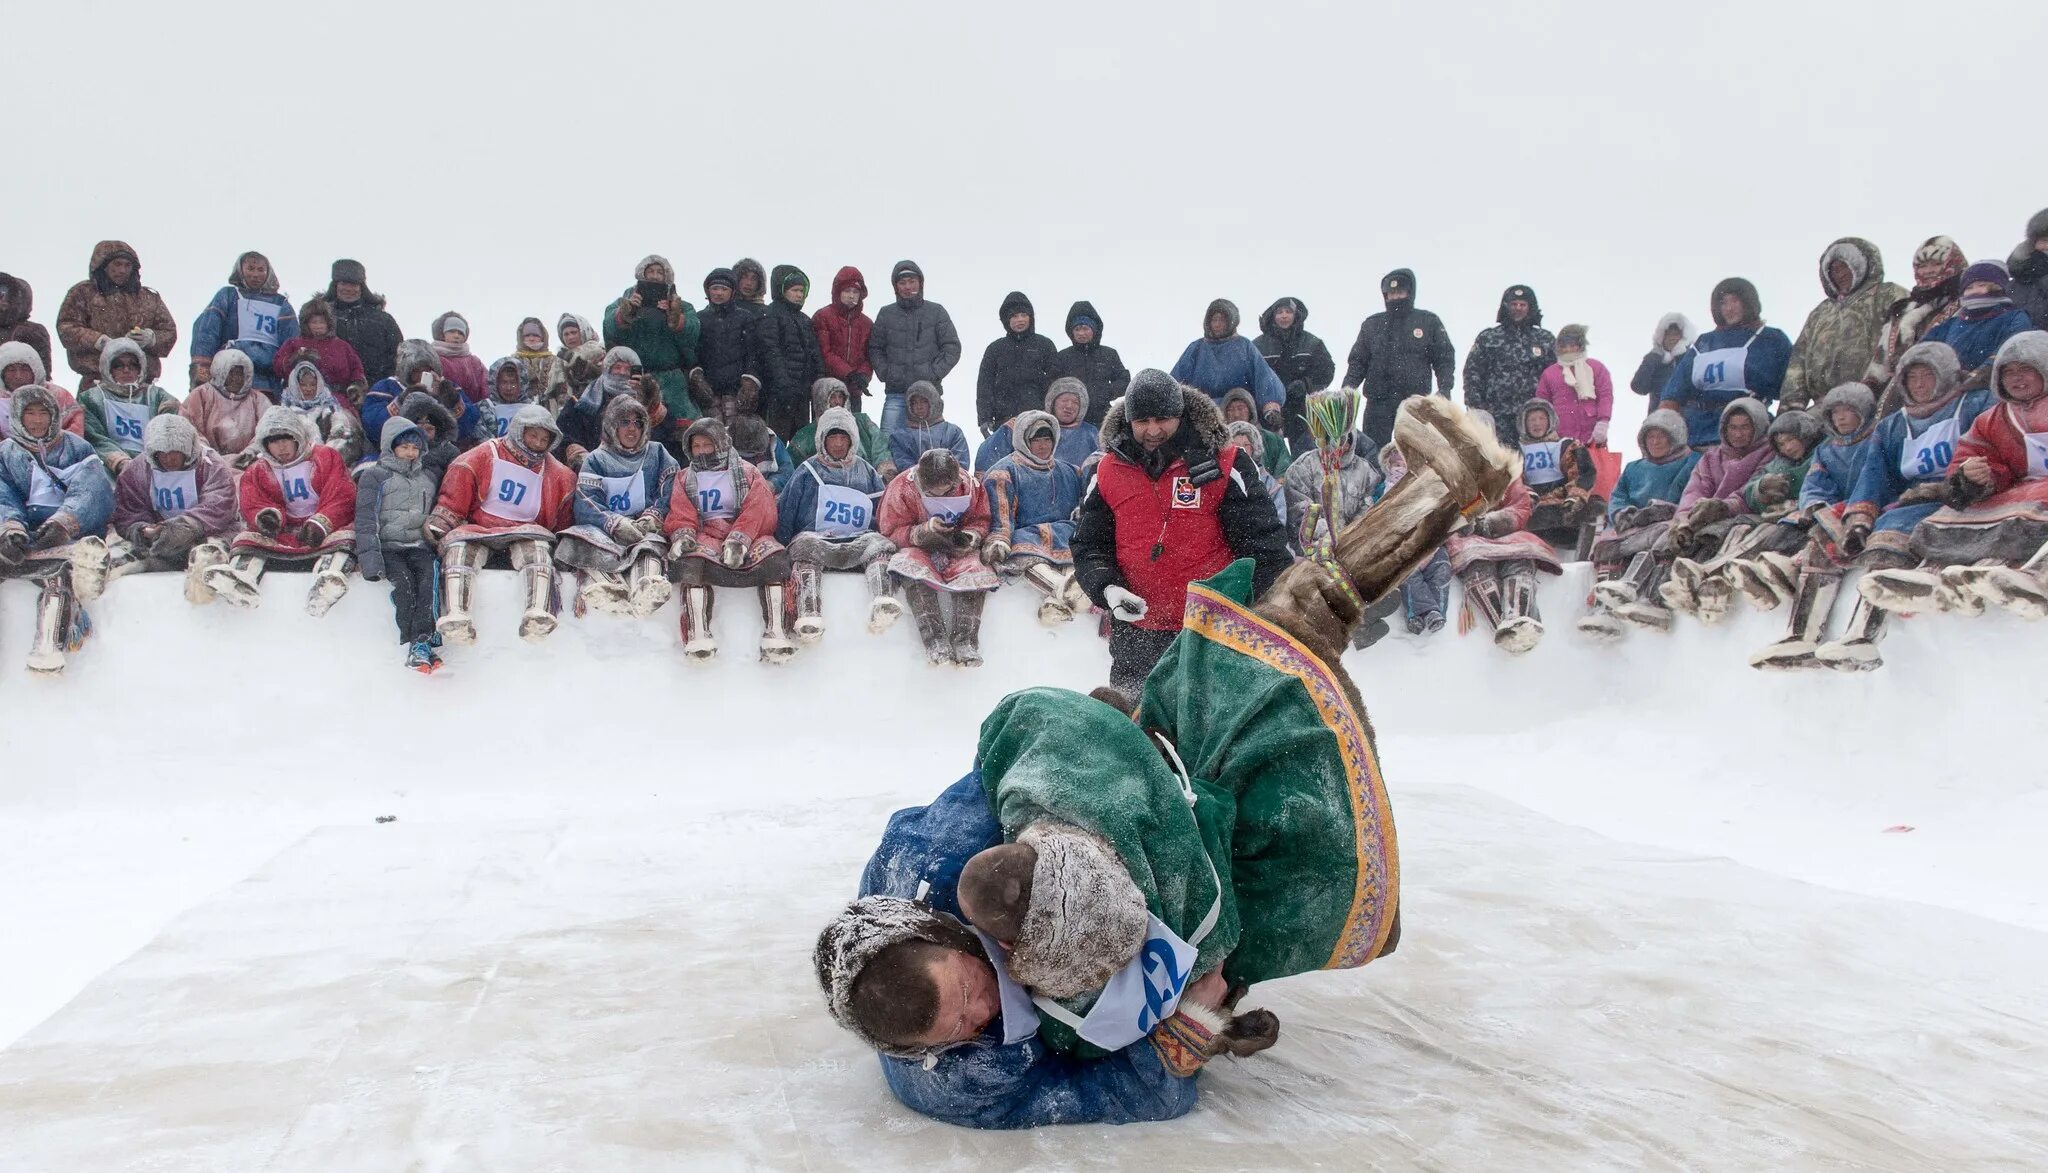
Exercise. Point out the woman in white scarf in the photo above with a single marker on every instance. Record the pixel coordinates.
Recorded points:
(1579, 389)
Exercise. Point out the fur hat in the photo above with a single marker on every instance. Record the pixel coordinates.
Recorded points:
(751, 437)
(1669, 422)
(422, 407)
(37, 395)
(167, 433)
(1248, 435)
(533, 415)
(1802, 424)
(1154, 395)
(822, 392)
(1087, 919)
(21, 352)
(350, 271)
(840, 420)
(621, 409)
(1398, 281)
(928, 391)
(859, 934)
(1067, 385)
(1857, 398)
(1758, 414)
(415, 355)
(2029, 348)
(1940, 358)
(746, 265)
(1752, 305)
(1572, 337)
(1238, 395)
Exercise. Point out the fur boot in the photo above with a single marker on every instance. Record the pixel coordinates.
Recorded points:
(1856, 651)
(1768, 581)
(1483, 595)
(457, 624)
(53, 608)
(238, 581)
(883, 609)
(1521, 625)
(604, 591)
(1077, 599)
(2021, 590)
(1811, 604)
(1648, 610)
(931, 625)
(1053, 609)
(1631, 584)
(1680, 591)
(810, 604)
(1904, 590)
(1957, 593)
(204, 557)
(537, 576)
(647, 586)
(776, 611)
(965, 635)
(330, 583)
(699, 645)
(90, 560)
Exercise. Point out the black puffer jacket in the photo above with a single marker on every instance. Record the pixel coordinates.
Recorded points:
(913, 339)
(724, 333)
(1396, 353)
(785, 350)
(364, 325)
(1015, 369)
(1302, 362)
(1098, 366)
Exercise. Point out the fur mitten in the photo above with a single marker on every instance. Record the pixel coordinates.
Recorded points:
(269, 522)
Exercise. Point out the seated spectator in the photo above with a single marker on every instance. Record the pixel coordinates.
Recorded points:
(1843, 331)
(1252, 438)
(174, 510)
(1496, 561)
(112, 302)
(1015, 369)
(938, 516)
(21, 366)
(297, 506)
(54, 491)
(721, 532)
(872, 446)
(1559, 474)
(1645, 501)
(339, 363)
(121, 404)
(1032, 496)
(17, 302)
(510, 391)
(763, 449)
(844, 330)
(622, 494)
(1706, 511)
(1989, 543)
(1301, 361)
(582, 420)
(1705, 589)
(1423, 593)
(307, 393)
(1578, 389)
(509, 497)
(417, 367)
(1080, 441)
(1672, 338)
(394, 498)
(450, 340)
(1239, 407)
(827, 519)
(1741, 357)
(1222, 359)
(438, 426)
(547, 383)
(226, 408)
(924, 428)
(1100, 368)
(1985, 318)
(249, 315)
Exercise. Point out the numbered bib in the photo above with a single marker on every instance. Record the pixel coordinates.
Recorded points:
(173, 492)
(1723, 370)
(948, 509)
(256, 321)
(502, 413)
(841, 512)
(514, 492)
(301, 499)
(2037, 455)
(1141, 995)
(1541, 463)
(1928, 454)
(45, 491)
(715, 496)
(626, 494)
(125, 422)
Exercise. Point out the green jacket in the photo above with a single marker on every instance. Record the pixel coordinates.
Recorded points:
(1839, 339)
(92, 403)
(667, 354)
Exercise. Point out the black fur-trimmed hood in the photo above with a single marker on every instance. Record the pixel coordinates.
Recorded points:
(1199, 416)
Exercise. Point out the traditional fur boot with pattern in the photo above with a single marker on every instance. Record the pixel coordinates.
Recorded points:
(1053, 609)
(457, 623)
(1811, 605)
(1908, 591)
(1631, 584)
(604, 591)
(53, 612)
(699, 645)
(90, 560)
(537, 578)
(1857, 651)
(1680, 591)
(648, 589)
(2021, 590)
(965, 631)
(238, 581)
(1768, 581)
(1521, 626)
(330, 583)
(883, 609)
(810, 602)
(204, 557)
(778, 608)
(931, 624)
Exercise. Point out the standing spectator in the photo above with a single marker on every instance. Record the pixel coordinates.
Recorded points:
(1173, 502)
(1578, 389)
(1937, 295)
(338, 362)
(112, 302)
(1506, 359)
(547, 383)
(1396, 353)
(360, 321)
(1740, 358)
(913, 340)
(17, 302)
(1015, 369)
(1301, 361)
(2028, 265)
(394, 498)
(785, 350)
(1672, 337)
(1222, 359)
(450, 339)
(1842, 331)
(752, 282)
(1987, 318)
(724, 380)
(249, 315)
(1100, 368)
(844, 331)
(654, 321)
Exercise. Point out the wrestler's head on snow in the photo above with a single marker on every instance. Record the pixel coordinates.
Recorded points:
(907, 978)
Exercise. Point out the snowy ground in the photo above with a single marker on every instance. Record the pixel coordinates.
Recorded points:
(1655, 914)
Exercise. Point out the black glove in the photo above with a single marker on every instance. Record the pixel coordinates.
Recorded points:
(1202, 471)
(1855, 538)
(51, 534)
(13, 547)
(269, 522)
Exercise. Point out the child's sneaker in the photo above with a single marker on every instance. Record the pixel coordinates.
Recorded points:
(420, 658)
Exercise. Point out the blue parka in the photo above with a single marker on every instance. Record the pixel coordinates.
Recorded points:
(69, 463)
(1216, 365)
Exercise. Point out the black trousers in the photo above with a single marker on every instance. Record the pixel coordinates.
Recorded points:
(412, 577)
(1133, 652)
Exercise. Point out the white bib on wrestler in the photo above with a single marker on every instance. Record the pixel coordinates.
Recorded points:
(841, 512)
(173, 492)
(256, 321)
(1142, 995)
(514, 492)
(715, 496)
(948, 509)
(1723, 370)
(1540, 463)
(626, 494)
(301, 499)
(1928, 454)
(125, 422)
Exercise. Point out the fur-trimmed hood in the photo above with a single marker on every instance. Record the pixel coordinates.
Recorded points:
(1087, 919)
(1672, 424)
(2026, 349)
(1014, 302)
(1021, 430)
(34, 395)
(1238, 395)
(226, 362)
(838, 419)
(1685, 330)
(928, 391)
(1866, 266)
(290, 396)
(1300, 317)
(103, 254)
(1199, 416)
(1752, 305)
(269, 274)
(21, 301)
(1940, 358)
(821, 395)
(621, 409)
(741, 268)
(169, 433)
(21, 352)
(316, 307)
(415, 355)
(649, 261)
(1231, 319)
(1758, 414)
(1522, 421)
(1857, 398)
(119, 346)
(285, 422)
(1801, 424)
(1253, 440)
(859, 934)
(1066, 385)
(422, 407)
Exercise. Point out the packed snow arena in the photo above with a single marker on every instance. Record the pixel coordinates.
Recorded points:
(488, 681)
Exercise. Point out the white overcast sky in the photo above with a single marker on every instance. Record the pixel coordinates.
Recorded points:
(512, 158)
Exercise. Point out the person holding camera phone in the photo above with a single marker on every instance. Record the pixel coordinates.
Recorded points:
(661, 327)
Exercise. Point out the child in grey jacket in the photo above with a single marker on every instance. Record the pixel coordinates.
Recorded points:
(393, 498)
